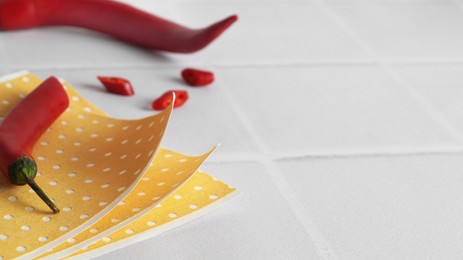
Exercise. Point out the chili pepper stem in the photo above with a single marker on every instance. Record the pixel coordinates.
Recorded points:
(42, 195)
(23, 171)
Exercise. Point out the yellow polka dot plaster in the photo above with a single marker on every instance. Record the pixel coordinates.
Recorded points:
(167, 173)
(87, 162)
(194, 198)
(84, 168)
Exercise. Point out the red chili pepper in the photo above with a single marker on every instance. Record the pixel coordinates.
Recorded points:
(21, 129)
(117, 85)
(197, 78)
(116, 19)
(161, 103)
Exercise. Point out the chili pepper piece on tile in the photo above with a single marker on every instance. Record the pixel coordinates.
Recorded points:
(161, 103)
(197, 78)
(21, 129)
(117, 85)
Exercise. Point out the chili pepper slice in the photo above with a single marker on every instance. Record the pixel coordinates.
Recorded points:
(117, 85)
(113, 18)
(161, 103)
(21, 129)
(197, 78)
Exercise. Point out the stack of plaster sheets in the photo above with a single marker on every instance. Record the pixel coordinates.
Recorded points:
(112, 181)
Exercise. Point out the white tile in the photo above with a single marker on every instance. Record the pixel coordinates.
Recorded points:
(3, 69)
(66, 47)
(386, 1)
(269, 33)
(256, 225)
(441, 86)
(239, 1)
(332, 110)
(206, 120)
(410, 30)
(384, 208)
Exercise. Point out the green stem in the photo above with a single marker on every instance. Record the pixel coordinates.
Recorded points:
(23, 171)
(42, 195)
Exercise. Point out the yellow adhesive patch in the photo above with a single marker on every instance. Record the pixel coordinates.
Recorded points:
(169, 172)
(106, 175)
(196, 194)
(87, 163)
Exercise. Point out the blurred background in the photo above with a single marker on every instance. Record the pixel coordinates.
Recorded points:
(340, 120)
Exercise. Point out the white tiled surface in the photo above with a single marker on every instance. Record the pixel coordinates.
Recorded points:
(335, 109)
(272, 33)
(409, 31)
(238, 230)
(341, 120)
(404, 207)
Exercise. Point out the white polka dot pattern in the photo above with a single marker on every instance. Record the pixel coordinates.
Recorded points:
(77, 148)
(133, 204)
(65, 165)
(184, 201)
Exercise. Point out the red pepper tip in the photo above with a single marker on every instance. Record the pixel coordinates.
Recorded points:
(228, 21)
(233, 18)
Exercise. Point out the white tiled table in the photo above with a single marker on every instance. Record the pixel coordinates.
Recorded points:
(340, 120)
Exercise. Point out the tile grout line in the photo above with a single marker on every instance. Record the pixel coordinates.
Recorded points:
(398, 62)
(381, 154)
(218, 65)
(320, 242)
(385, 66)
(286, 156)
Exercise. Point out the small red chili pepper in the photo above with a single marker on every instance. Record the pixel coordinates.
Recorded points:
(117, 85)
(116, 19)
(197, 78)
(161, 103)
(21, 129)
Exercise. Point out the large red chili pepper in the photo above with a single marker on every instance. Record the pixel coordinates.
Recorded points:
(117, 19)
(21, 129)
(161, 103)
